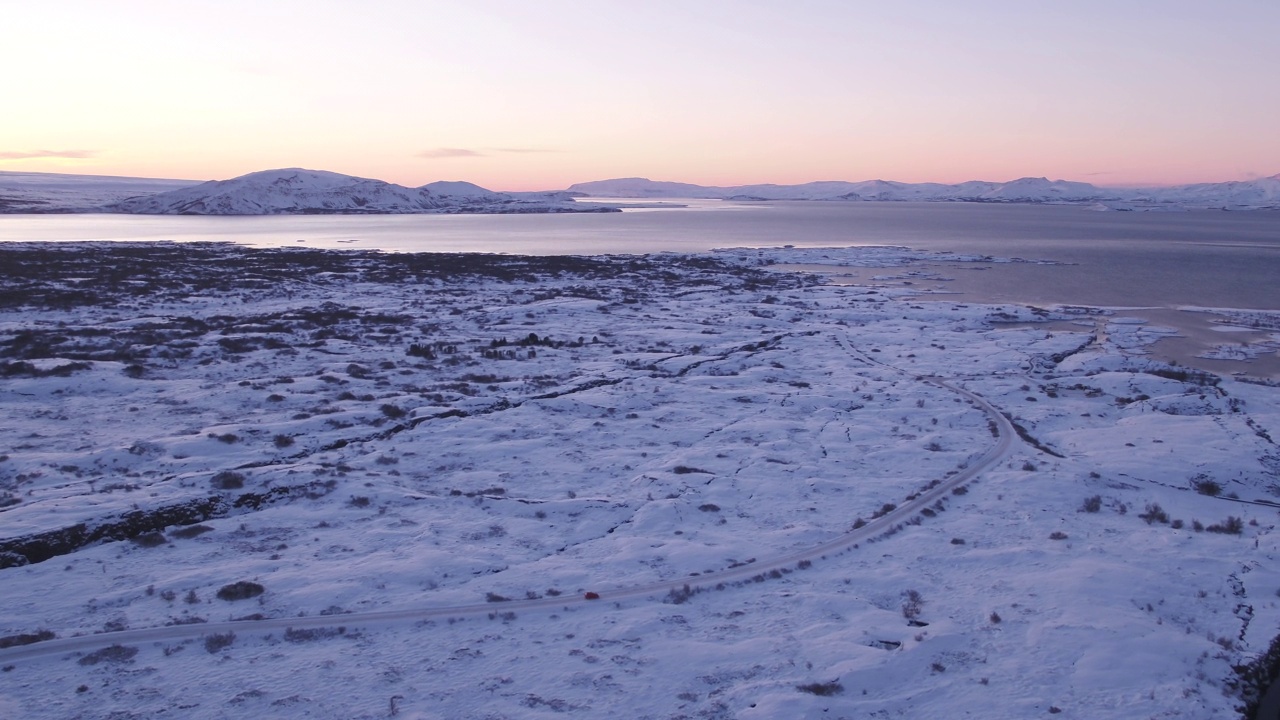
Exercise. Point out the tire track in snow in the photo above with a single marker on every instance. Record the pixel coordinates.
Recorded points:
(685, 585)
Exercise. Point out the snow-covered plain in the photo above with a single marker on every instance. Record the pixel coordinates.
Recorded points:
(466, 437)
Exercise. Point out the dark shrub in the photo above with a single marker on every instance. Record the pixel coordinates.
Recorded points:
(228, 480)
(1154, 514)
(392, 411)
(242, 590)
(685, 470)
(26, 638)
(822, 689)
(149, 540)
(218, 641)
(113, 654)
(1231, 526)
(1206, 486)
(282, 441)
(912, 604)
(1092, 504)
(190, 531)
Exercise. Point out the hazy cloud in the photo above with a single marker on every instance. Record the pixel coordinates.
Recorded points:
(439, 153)
(1104, 172)
(526, 150)
(75, 154)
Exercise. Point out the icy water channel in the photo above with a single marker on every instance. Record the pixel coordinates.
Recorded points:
(1159, 260)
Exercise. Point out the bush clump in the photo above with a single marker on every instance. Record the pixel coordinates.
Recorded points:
(112, 654)
(228, 480)
(1205, 486)
(217, 641)
(912, 604)
(26, 638)
(242, 590)
(190, 531)
(825, 689)
(150, 539)
(1154, 514)
(1092, 504)
(1231, 526)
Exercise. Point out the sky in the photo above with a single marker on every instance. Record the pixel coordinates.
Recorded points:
(539, 95)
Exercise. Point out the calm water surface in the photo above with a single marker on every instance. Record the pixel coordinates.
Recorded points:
(1203, 258)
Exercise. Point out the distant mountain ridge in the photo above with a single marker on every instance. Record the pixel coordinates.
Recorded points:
(296, 191)
(288, 191)
(32, 192)
(1262, 193)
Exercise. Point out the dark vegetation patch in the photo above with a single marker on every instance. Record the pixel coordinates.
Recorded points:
(242, 590)
(825, 689)
(302, 635)
(114, 654)
(218, 641)
(39, 547)
(1028, 439)
(69, 275)
(190, 531)
(26, 638)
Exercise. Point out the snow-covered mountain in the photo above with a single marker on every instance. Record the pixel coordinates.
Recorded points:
(1262, 192)
(463, 191)
(1252, 194)
(291, 191)
(33, 192)
(296, 191)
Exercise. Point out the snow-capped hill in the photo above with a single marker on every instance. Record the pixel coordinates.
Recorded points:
(34, 192)
(1045, 190)
(644, 187)
(290, 191)
(1259, 193)
(464, 191)
(820, 190)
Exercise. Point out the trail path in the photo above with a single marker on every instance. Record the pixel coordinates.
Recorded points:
(1005, 436)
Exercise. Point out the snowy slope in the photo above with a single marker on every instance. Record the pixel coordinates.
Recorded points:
(462, 191)
(31, 192)
(1042, 190)
(295, 191)
(292, 191)
(1253, 194)
(1259, 193)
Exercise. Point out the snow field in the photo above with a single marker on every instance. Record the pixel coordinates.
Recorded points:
(688, 461)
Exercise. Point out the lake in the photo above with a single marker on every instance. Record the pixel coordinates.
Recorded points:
(1204, 258)
(1154, 260)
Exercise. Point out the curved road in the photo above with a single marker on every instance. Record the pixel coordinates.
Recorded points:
(878, 526)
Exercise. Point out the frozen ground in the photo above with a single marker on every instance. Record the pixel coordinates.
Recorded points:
(427, 463)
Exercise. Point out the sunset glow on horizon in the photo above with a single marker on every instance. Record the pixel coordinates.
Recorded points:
(537, 96)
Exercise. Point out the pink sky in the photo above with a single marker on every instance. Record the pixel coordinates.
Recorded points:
(519, 96)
